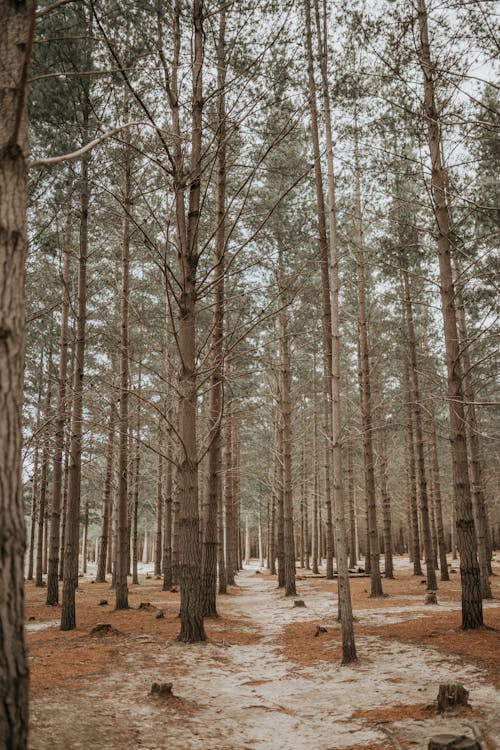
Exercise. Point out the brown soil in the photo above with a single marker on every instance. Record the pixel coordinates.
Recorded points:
(62, 658)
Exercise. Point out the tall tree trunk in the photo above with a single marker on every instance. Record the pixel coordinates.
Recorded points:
(167, 516)
(160, 486)
(383, 473)
(229, 496)
(344, 594)
(286, 436)
(16, 40)
(34, 486)
(325, 291)
(211, 537)
(107, 489)
(122, 525)
(366, 406)
(191, 606)
(42, 499)
(419, 437)
(412, 482)
(473, 436)
(70, 580)
(472, 610)
(57, 473)
(314, 523)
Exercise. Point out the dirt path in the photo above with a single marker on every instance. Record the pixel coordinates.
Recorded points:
(251, 696)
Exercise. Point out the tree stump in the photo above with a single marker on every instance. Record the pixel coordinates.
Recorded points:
(452, 742)
(299, 603)
(451, 695)
(103, 628)
(160, 614)
(102, 603)
(431, 598)
(161, 688)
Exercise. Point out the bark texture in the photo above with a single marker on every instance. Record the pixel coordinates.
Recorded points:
(16, 38)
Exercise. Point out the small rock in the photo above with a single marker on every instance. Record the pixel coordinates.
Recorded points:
(257, 572)
(160, 614)
(424, 581)
(161, 688)
(361, 570)
(148, 577)
(431, 598)
(299, 603)
(147, 606)
(102, 602)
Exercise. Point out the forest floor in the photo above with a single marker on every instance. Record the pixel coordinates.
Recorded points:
(262, 679)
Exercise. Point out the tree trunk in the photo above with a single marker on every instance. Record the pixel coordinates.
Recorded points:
(472, 610)
(17, 23)
(412, 482)
(325, 292)
(473, 437)
(419, 436)
(122, 525)
(159, 499)
(42, 499)
(70, 580)
(344, 594)
(107, 488)
(382, 474)
(34, 486)
(366, 407)
(286, 436)
(57, 473)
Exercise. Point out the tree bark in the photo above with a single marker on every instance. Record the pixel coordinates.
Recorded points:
(366, 406)
(57, 472)
(17, 23)
(472, 610)
(419, 437)
(42, 499)
(325, 291)
(107, 489)
(473, 437)
(70, 580)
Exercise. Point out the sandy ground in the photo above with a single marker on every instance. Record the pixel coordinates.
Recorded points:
(262, 680)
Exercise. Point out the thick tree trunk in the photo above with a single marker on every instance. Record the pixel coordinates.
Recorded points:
(472, 610)
(57, 473)
(17, 23)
